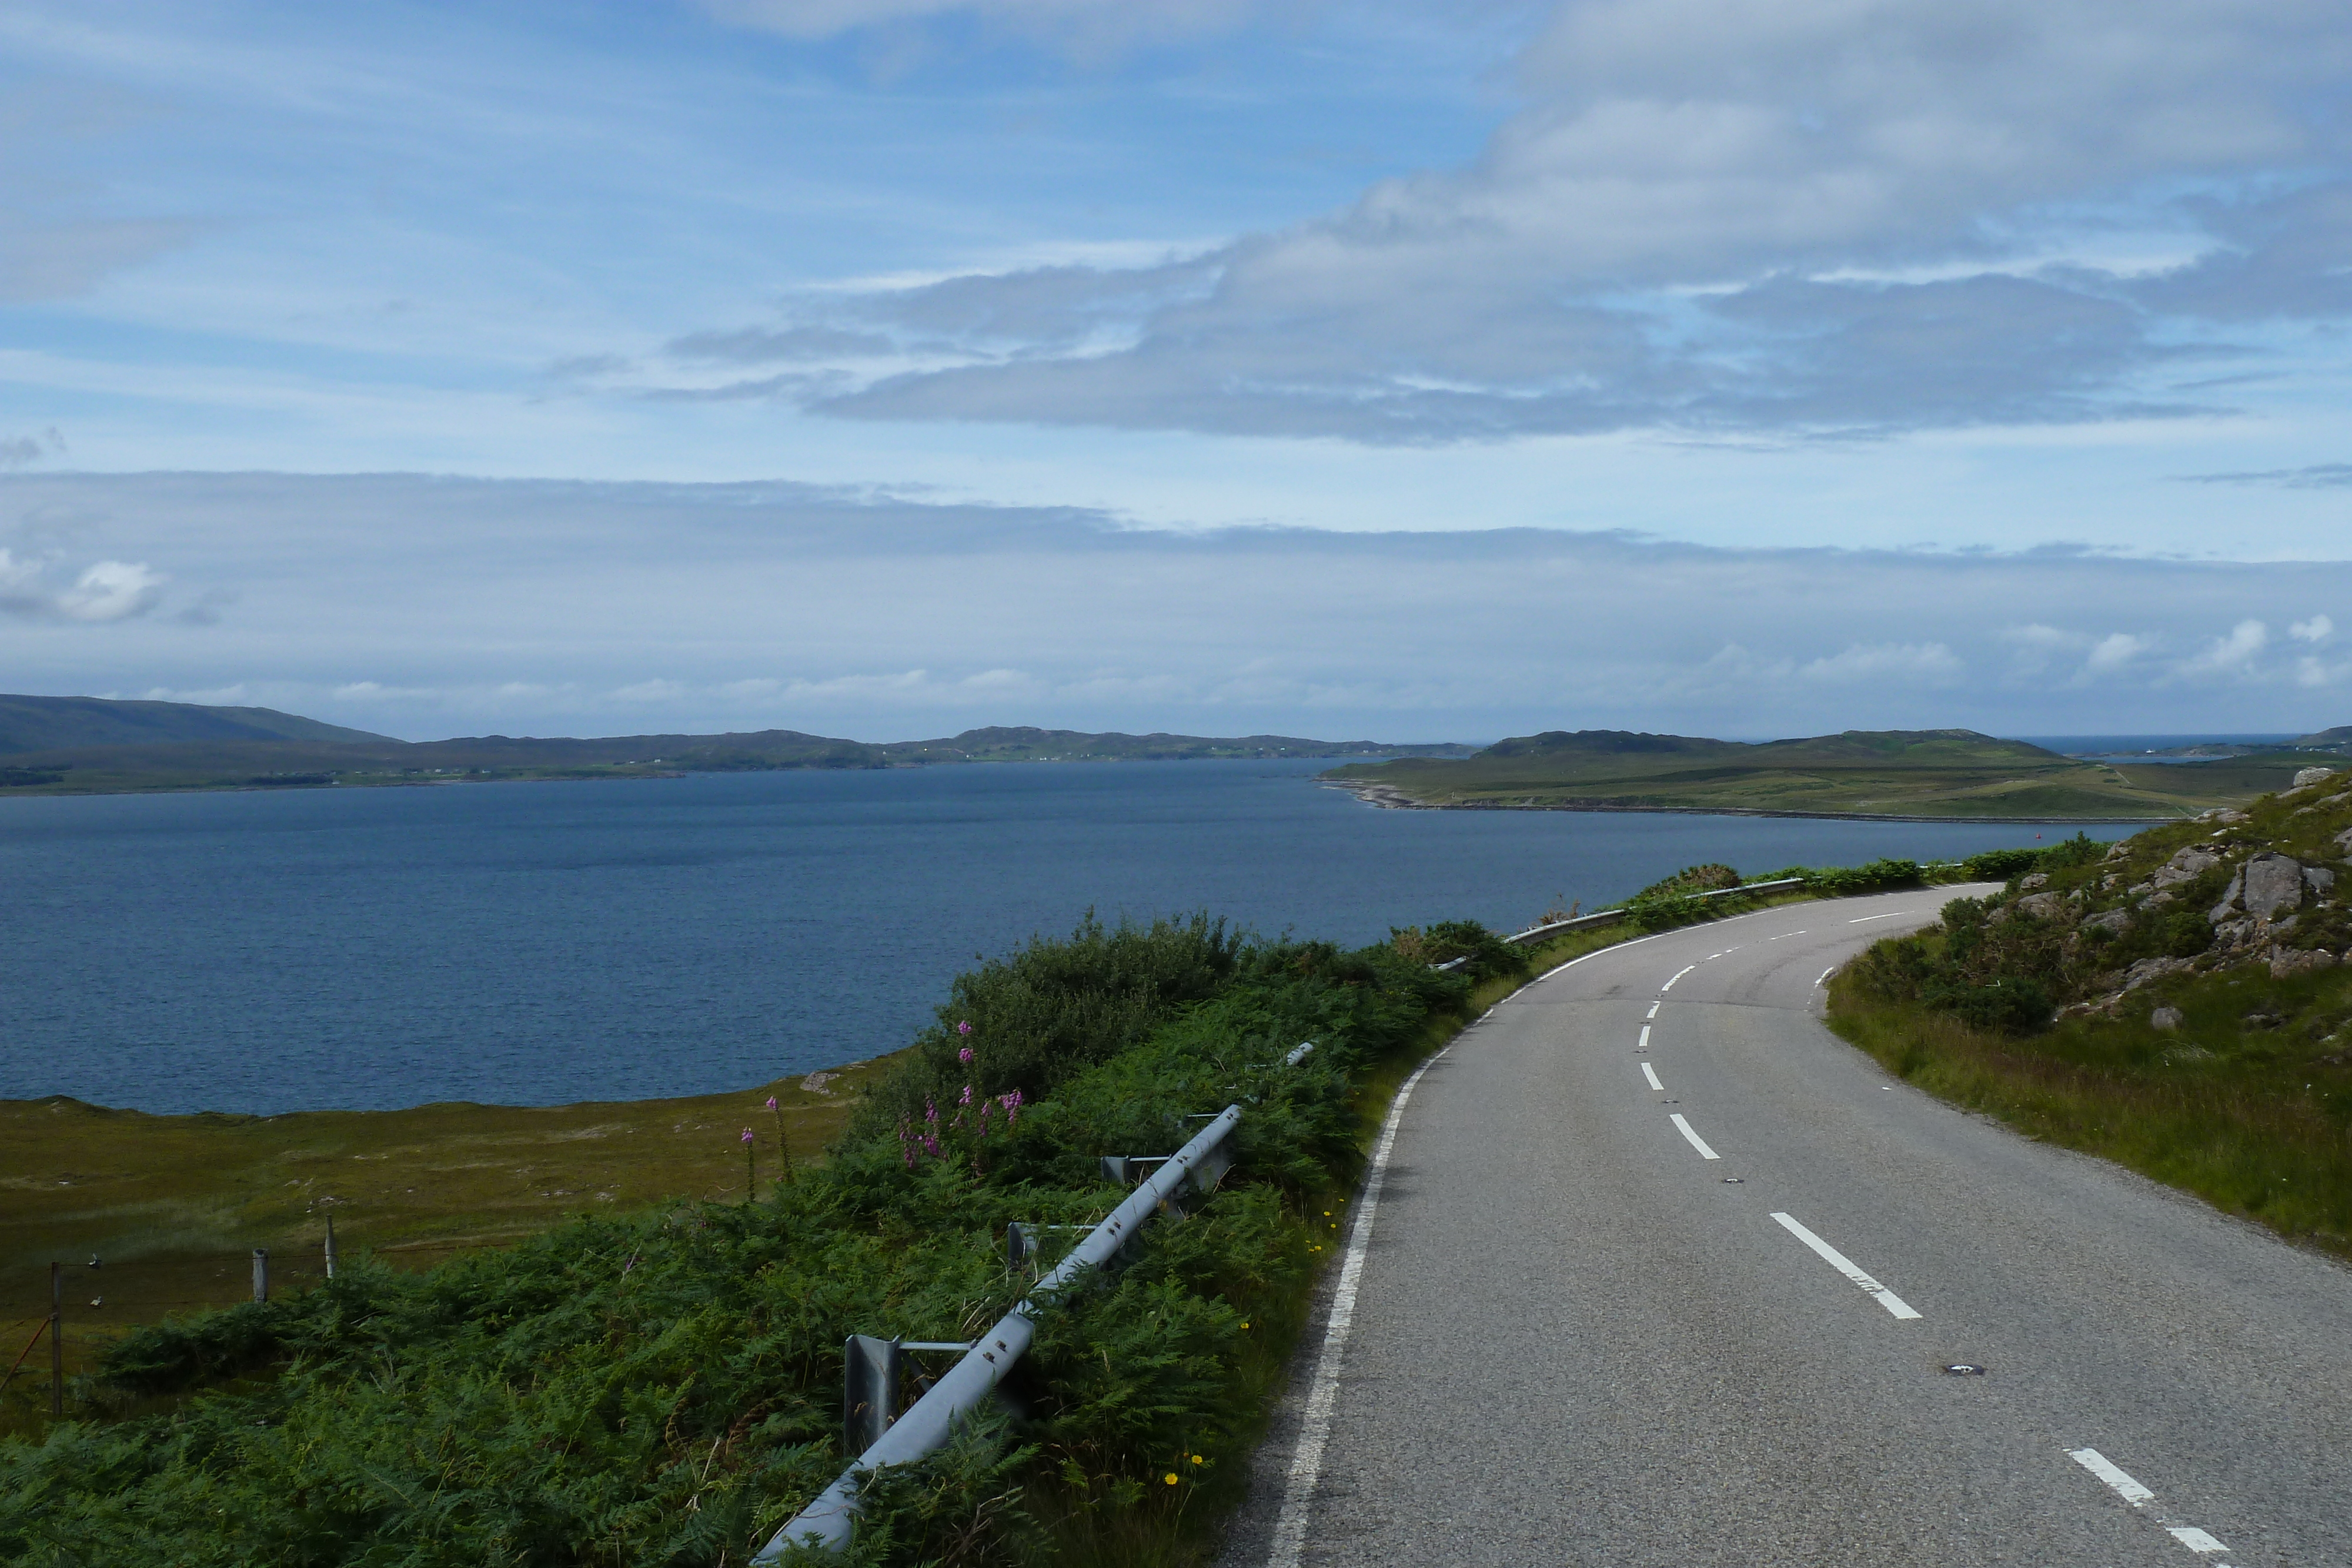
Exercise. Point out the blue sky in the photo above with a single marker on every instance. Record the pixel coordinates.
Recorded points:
(1752, 313)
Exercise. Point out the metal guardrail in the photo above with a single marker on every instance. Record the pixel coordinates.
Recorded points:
(825, 1523)
(1610, 916)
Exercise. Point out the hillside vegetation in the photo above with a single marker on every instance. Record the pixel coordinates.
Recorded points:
(665, 1386)
(2179, 1002)
(1938, 773)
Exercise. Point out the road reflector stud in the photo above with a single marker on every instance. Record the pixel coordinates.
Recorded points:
(1964, 1369)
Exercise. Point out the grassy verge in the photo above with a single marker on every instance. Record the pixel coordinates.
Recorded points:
(2264, 1133)
(172, 1206)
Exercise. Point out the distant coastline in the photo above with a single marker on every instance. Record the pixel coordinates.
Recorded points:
(1388, 797)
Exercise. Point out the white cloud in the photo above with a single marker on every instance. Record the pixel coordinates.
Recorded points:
(1710, 215)
(2233, 653)
(652, 691)
(2316, 630)
(1904, 663)
(106, 590)
(2114, 651)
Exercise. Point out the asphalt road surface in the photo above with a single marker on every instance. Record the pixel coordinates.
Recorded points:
(1570, 1337)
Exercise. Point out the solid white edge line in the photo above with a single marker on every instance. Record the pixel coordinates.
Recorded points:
(2099, 1465)
(1695, 1141)
(1825, 974)
(1652, 1074)
(1846, 1266)
(1315, 1425)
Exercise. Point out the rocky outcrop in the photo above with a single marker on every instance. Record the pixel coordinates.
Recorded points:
(2188, 865)
(2042, 906)
(2115, 920)
(2288, 962)
(2263, 886)
(2309, 776)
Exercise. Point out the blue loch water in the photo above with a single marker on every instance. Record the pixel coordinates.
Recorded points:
(540, 944)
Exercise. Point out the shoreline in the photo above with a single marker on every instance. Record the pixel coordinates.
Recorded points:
(1389, 798)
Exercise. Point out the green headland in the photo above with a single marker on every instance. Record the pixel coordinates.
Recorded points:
(1901, 773)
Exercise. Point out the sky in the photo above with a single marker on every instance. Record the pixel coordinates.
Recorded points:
(1377, 370)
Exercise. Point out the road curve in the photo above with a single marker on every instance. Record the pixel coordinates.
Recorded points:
(1570, 1339)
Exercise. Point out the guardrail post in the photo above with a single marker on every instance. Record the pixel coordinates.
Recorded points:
(331, 1244)
(261, 1273)
(869, 1391)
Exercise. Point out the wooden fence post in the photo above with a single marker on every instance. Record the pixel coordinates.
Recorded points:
(57, 1339)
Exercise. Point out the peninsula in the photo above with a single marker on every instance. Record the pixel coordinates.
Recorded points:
(82, 746)
(1932, 774)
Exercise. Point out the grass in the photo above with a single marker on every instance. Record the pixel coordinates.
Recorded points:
(2256, 1120)
(173, 1206)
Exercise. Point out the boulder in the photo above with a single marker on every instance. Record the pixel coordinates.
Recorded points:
(2148, 969)
(2165, 1019)
(2344, 841)
(2113, 920)
(2047, 905)
(2319, 879)
(2038, 879)
(2221, 911)
(2186, 866)
(2272, 883)
(2308, 776)
(2288, 962)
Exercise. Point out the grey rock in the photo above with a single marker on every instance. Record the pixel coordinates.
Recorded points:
(2148, 969)
(2113, 920)
(2319, 879)
(2309, 776)
(2273, 882)
(2039, 879)
(2238, 933)
(2287, 962)
(2344, 841)
(2158, 900)
(2165, 1019)
(2186, 866)
(2221, 912)
(2047, 905)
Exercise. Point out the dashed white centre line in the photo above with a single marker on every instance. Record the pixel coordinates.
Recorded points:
(1695, 1141)
(2138, 1496)
(1650, 1073)
(1643, 1043)
(1653, 1012)
(1844, 1265)
(1669, 985)
(2108, 1470)
(1896, 914)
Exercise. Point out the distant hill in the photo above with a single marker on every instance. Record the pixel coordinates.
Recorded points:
(2336, 739)
(1927, 773)
(53, 724)
(90, 744)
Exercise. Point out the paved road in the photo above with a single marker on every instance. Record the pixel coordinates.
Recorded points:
(1574, 1341)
